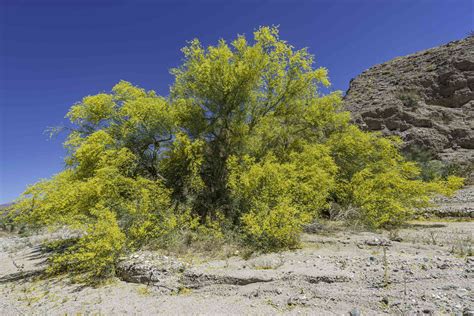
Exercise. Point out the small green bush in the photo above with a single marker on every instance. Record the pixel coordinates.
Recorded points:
(433, 169)
(409, 99)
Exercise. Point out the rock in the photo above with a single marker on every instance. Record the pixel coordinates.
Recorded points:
(266, 262)
(378, 242)
(255, 293)
(443, 266)
(297, 300)
(150, 268)
(468, 312)
(426, 98)
(396, 238)
(459, 205)
(354, 312)
(313, 228)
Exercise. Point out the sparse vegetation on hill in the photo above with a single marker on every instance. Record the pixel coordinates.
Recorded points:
(243, 146)
(425, 99)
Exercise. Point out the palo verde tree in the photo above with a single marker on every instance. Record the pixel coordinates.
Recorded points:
(243, 99)
(245, 142)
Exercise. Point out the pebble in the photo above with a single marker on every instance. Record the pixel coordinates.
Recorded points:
(378, 242)
(468, 312)
(297, 300)
(443, 266)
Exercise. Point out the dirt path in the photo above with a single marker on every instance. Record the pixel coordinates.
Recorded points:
(428, 270)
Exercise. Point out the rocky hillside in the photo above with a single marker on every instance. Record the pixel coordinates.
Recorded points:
(427, 98)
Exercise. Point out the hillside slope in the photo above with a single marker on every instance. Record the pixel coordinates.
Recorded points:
(426, 98)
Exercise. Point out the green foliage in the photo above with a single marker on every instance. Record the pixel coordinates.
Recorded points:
(95, 254)
(102, 196)
(244, 145)
(277, 198)
(433, 169)
(375, 178)
(244, 99)
(275, 228)
(409, 98)
(387, 198)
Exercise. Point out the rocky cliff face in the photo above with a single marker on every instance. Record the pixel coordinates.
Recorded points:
(426, 98)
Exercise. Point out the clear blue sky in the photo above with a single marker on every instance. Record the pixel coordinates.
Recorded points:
(52, 53)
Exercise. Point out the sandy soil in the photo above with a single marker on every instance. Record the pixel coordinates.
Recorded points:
(427, 268)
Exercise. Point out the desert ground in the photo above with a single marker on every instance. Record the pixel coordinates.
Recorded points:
(424, 268)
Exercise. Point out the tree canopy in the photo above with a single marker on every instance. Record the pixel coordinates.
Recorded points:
(245, 142)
